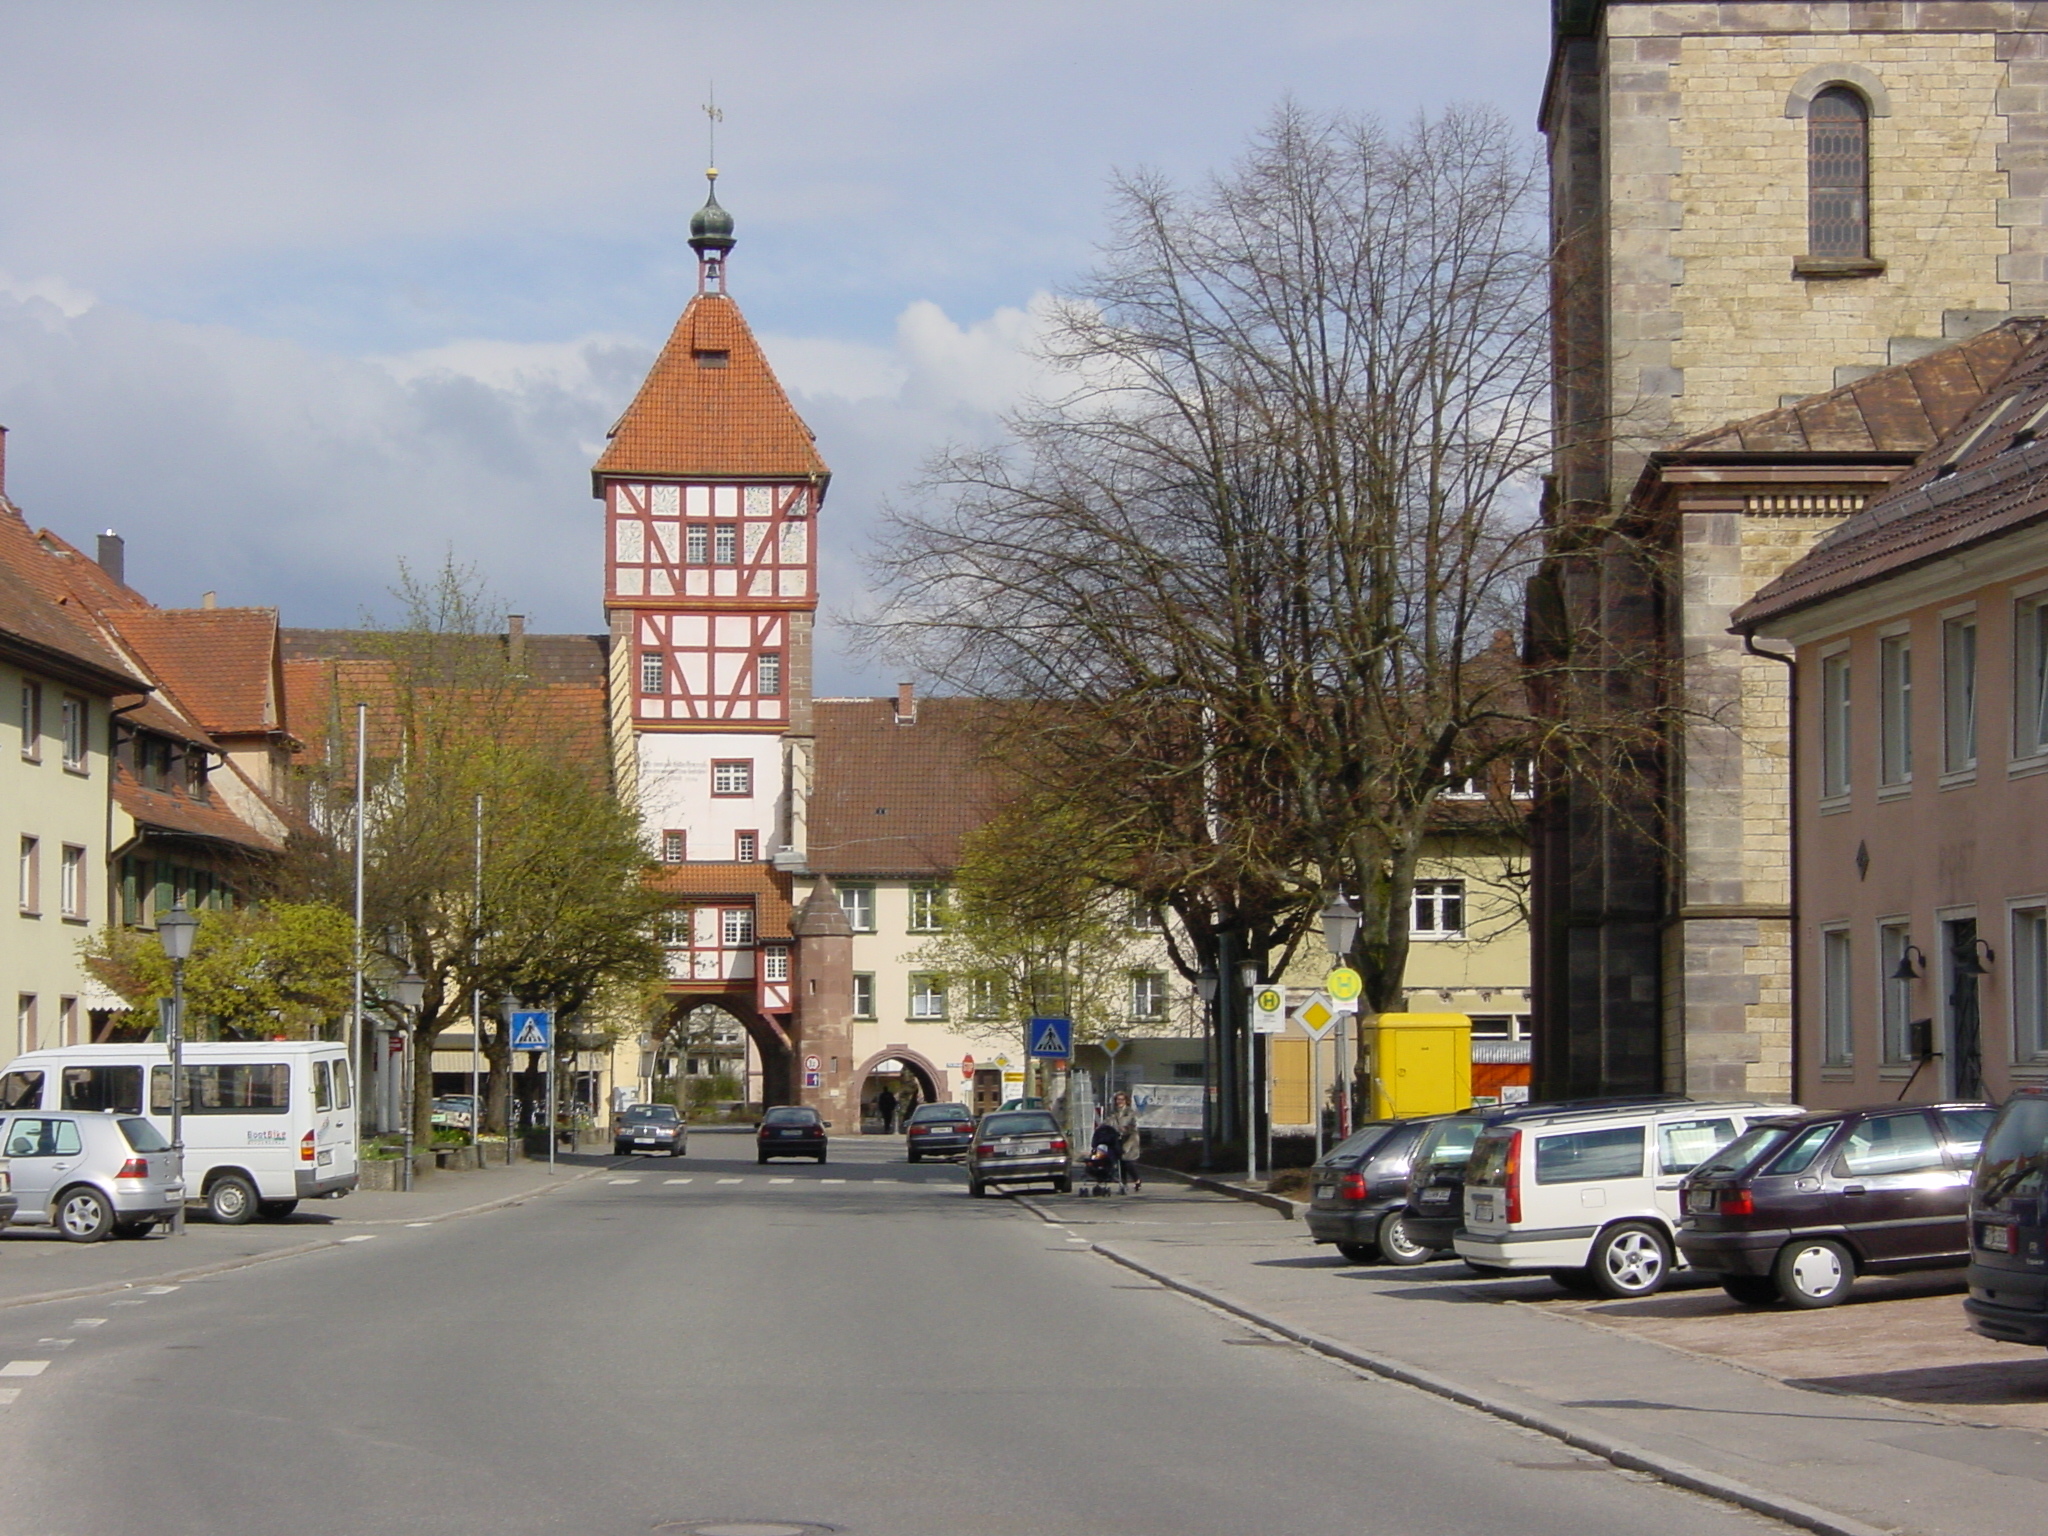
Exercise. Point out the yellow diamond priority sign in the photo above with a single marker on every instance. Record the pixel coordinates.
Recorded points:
(1316, 1015)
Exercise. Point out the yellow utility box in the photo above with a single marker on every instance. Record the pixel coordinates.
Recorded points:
(1417, 1063)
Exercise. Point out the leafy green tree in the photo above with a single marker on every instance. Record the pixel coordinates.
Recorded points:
(283, 969)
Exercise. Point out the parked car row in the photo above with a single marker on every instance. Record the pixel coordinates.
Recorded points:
(1779, 1204)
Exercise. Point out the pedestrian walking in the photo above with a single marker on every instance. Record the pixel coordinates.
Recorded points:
(1125, 1119)
(885, 1106)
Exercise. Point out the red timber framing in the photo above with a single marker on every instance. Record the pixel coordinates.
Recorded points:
(738, 545)
(712, 672)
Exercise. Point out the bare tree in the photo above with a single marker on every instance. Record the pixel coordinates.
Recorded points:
(1253, 576)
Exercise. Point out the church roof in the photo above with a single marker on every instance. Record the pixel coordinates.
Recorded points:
(697, 416)
(1988, 476)
(1903, 409)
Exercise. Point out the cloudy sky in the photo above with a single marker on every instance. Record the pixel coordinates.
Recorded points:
(289, 293)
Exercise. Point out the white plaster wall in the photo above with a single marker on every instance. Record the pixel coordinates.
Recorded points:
(675, 789)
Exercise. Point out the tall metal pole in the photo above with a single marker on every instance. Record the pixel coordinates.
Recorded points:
(1251, 1118)
(178, 1083)
(554, 1067)
(405, 1104)
(355, 1016)
(476, 996)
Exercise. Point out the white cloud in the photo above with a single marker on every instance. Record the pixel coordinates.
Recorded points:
(274, 474)
(67, 299)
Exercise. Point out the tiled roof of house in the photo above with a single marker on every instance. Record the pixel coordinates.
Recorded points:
(1986, 477)
(895, 800)
(220, 663)
(175, 812)
(544, 658)
(1903, 409)
(38, 615)
(85, 579)
(767, 887)
(730, 420)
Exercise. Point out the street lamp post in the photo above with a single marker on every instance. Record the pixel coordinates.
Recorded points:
(407, 992)
(1340, 932)
(1205, 986)
(507, 1006)
(175, 930)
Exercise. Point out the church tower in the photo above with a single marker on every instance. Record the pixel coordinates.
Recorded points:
(1778, 225)
(712, 486)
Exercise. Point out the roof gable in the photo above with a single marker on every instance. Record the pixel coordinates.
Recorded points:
(220, 663)
(729, 421)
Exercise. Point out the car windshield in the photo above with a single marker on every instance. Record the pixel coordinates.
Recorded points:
(1025, 1122)
(929, 1112)
(790, 1116)
(651, 1112)
(1755, 1143)
(142, 1136)
(1356, 1146)
(1447, 1144)
(2015, 1156)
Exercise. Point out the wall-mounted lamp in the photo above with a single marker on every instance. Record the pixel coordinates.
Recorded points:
(1967, 963)
(1909, 967)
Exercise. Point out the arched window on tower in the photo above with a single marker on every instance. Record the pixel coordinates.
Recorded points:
(1838, 175)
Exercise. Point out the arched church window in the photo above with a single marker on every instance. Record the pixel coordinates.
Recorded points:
(1838, 175)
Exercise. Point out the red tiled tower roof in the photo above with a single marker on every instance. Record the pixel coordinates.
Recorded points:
(701, 418)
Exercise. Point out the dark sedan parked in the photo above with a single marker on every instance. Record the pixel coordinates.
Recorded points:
(791, 1130)
(1794, 1209)
(939, 1130)
(1359, 1192)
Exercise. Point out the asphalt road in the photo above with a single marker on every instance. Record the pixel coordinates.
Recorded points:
(706, 1342)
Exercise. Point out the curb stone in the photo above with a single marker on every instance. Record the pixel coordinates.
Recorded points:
(1292, 1209)
(1622, 1453)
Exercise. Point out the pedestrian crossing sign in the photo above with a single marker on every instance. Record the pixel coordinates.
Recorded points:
(1051, 1037)
(532, 1031)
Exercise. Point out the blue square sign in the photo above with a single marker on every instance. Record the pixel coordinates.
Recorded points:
(1050, 1037)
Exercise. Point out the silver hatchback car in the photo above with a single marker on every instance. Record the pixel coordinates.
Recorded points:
(91, 1175)
(1020, 1146)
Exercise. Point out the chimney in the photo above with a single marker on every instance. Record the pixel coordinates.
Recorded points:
(209, 600)
(515, 643)
(906, 704)
(113, 555)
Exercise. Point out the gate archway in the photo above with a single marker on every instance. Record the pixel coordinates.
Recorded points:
(771, 1045)
(904, 1074)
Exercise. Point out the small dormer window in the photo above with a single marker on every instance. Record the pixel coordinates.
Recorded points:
(719, 358)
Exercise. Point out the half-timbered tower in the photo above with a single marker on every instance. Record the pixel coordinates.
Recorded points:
(711, 487)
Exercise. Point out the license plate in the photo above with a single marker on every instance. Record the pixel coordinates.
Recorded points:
(1482, 1207)
(1701, 1200)
(1326, 1191)
(789, 1133)
(645, 1141)
(1994, 1239)
(1435, 1196)
(324, 1158)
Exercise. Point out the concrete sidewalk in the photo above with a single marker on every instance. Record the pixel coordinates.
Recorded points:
(38, 1265)
(1825, 1460)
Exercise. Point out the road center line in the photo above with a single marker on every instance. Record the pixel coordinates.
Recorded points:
(782, 1181)
(678, 1181)
(831, 1181)
(87, 1322)
(361, 1237)
(731, 1181)
(622, 1181)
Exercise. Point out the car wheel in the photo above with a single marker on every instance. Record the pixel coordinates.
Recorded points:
(1062, 1186)
(1573, 1279)
(977, 1189)
(910, 1157)
(762, 1159)
(1813, 1272)
(821, 1159)
(620, 1149)
(1750, 1290)
(275, 1210)
(231, 1201)
(84, 1215)
(1359, 1253)
(678, 1149)
(134, 1228)
(1630, 1258)
(1396, 1246)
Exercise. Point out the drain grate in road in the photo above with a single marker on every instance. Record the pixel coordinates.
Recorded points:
(748, 1527)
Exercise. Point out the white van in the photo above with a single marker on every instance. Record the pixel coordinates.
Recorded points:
(1591, 1195)
(267, 1123)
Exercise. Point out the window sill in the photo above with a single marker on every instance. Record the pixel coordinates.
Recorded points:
(2027, 767)
(1834, 805)
(1836, 266)
(1962, 778)
(1895, 792)
(76, 920)
(1897, 1071)
(30, 912)
(1436, 938)
(79, 770)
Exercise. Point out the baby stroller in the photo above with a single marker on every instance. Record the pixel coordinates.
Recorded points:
(1105, 1162)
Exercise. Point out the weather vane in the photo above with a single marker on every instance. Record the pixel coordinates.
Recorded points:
(713, 116)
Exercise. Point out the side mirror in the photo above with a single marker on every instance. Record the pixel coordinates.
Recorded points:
(828, 1125)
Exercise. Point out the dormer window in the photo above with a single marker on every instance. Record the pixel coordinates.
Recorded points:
(713, 359)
